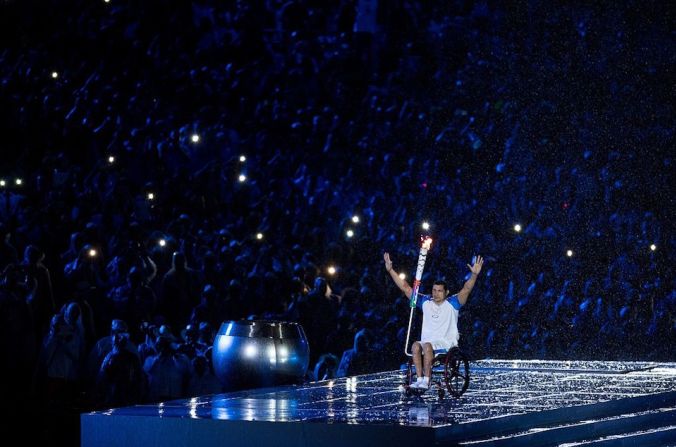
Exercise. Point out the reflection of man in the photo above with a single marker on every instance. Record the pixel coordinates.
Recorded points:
(440, 318)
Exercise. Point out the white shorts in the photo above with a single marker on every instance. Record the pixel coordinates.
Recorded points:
(438, 345)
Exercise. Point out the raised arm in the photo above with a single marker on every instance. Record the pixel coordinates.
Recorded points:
(403, 285)
(469, 284)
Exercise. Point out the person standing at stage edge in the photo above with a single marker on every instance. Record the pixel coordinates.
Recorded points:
(440, 318)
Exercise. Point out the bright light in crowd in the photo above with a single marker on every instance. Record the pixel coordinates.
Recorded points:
(517, 228)
(402, 275)
(151, 196)
(349, 233)
(111, 159)
(426, 225)
(92, 253)
(259, 236)
(242, 158)
(18, 182)
(355, 219)
(653, 247)
(55, 75)
(250, 351)
(331, 270)
(242, 178)
(2, 183)
(195, 138)
(162, 242)
(106, 1)
(569, 253)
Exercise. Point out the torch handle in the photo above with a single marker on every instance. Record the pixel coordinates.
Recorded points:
(421, 264)
(414, 293)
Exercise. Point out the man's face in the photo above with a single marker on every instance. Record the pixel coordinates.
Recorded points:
(438, 293)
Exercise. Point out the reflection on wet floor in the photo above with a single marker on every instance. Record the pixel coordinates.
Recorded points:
(497, 388)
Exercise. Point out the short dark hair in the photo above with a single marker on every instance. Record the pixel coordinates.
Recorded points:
(441, 282)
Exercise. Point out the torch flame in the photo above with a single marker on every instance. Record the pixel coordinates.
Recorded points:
(427, 243)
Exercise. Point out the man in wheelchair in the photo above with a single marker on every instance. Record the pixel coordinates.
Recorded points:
(440, 319)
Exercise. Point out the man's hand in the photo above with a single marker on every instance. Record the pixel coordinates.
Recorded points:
(476, 268)
(403, 285)
(469, 284)
(388, 261)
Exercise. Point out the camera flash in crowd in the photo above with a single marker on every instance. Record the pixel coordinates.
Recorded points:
(569, 253)
(92, 253)
(106, 1)
(349, 233)
(151, 196)
(331, 270)
(55, 75)
(425, 225)
(162, 242)
(355, 219)
(242, 158)
(18, 182)
(111, 159)
(517, 228)
(195, 138)
(3, 183)
(259, 236)
(402, 275)
(653, 247)
(242, 178)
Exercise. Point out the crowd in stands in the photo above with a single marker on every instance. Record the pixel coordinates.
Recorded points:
(170, 166)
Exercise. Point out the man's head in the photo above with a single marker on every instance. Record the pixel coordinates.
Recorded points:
(178, 261)
(118, 327)
(439, 291)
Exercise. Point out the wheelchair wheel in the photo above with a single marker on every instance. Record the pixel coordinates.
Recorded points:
(456, 372)
(409, 372)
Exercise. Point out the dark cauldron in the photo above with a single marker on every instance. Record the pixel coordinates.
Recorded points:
(250, 354)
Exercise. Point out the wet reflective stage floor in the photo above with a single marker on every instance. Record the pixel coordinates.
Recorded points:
(500, 393)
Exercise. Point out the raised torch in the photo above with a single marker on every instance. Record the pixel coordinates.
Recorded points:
(422, 257)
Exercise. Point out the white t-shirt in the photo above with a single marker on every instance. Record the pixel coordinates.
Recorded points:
(440, 321)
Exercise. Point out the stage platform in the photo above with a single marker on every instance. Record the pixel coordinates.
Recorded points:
(508, 403)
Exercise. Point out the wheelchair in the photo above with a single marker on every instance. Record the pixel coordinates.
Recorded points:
(454, 378)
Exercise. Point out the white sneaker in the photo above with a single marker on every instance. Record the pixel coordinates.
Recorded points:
(421, 383)
(417, 383)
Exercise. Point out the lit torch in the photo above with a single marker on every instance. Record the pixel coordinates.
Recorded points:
(422, 257)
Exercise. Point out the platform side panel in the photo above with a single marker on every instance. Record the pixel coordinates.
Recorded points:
(137, 431)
